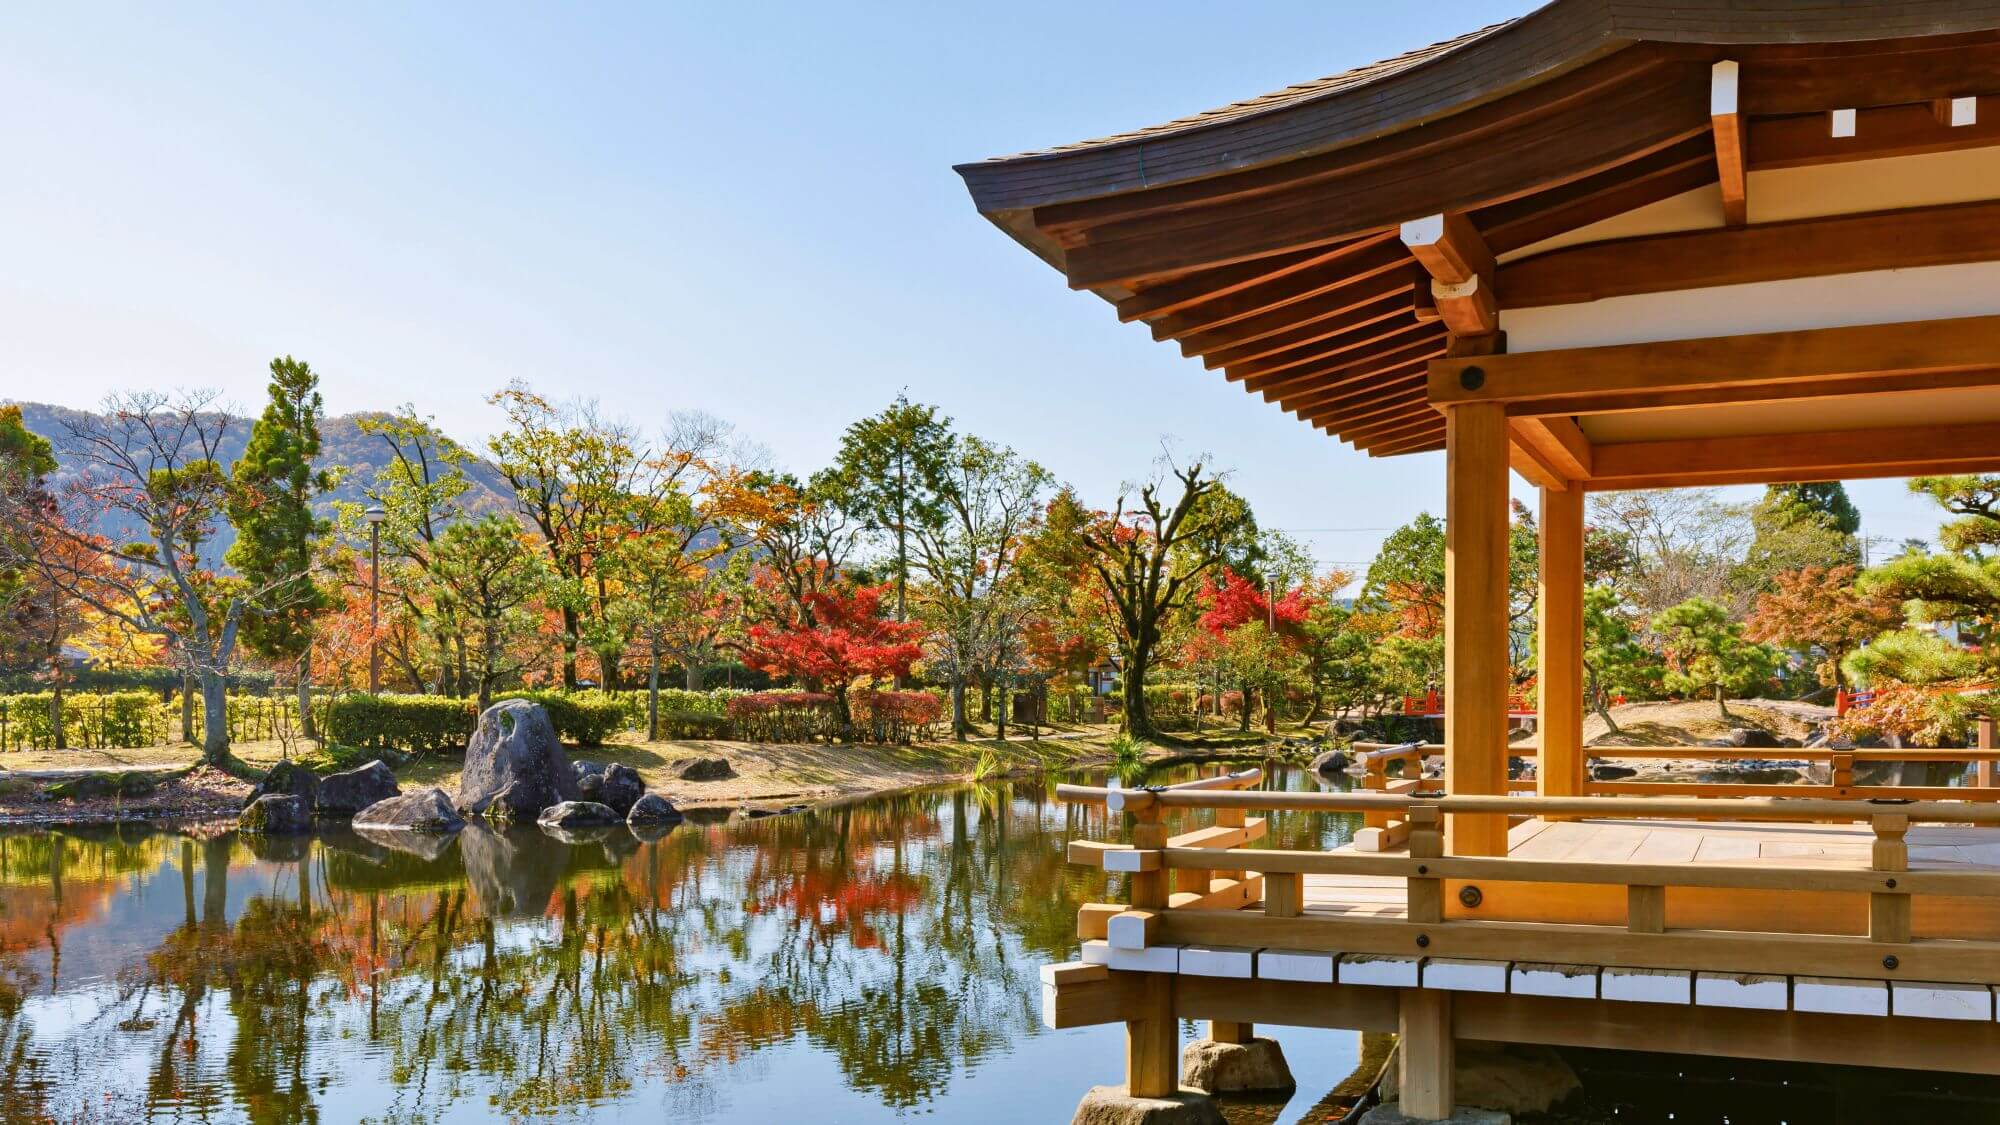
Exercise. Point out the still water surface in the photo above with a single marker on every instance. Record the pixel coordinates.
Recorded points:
(871, 961)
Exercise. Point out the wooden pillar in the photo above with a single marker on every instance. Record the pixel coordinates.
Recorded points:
(1152, 1042)
(1475, 619)
(1982, 773)
(1423, 1029)
(1559, 768)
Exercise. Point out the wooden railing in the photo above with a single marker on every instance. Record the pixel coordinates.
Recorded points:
(1445, 893)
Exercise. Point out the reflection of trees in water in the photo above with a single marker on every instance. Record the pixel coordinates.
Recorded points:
(901, 935)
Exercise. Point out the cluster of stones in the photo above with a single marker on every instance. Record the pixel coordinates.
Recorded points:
(516, 772)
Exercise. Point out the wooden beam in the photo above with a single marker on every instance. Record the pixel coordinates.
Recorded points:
(1839, 244)
(1544, 214)
(1727, 124)
(1766, 458)
(1342, 308)
(1424, 1038)
(1475, 630)
(1892, 351)
(1556, 442)
(1825, 77)
(1867, 386)
(1559, 768)
(1890, 130)
(1450, 249)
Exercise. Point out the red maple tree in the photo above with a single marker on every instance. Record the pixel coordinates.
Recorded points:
(830, 639)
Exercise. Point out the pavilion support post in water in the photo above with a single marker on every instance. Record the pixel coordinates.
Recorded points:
(1475, 619)
(1559, 770)
(1152, 1041)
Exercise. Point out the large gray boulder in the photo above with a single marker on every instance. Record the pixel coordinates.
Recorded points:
(701, 769)
(514, 765)
(617, 786)
(1333, 763)
(1112, 1105)
(349, 791)
(1234, 1068)
(276, 814)
(428, 811)
(286, 777)
(578, 814)
(653, 809)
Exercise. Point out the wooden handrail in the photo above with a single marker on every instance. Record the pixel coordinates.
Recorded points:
(1717, 808)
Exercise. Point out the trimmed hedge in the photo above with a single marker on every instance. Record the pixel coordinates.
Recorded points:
(423, 723)
(118, 720)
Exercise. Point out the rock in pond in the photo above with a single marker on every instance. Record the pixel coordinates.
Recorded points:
(586, 768)
(276, 814)
(287, 777)
(350, 791)
(651, 808)
(578, 814)
(428, 811)
(1113, 1105)
(1609, 772)
(1330, 763)
(427, 847)
(617, 786)
(701, 769)
(514, 766)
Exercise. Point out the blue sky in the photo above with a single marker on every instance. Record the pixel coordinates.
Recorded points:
(747, 209)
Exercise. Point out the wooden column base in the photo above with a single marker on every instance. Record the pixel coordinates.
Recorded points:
(1423, 1028)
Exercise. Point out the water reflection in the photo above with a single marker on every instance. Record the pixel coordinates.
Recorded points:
(869, 959)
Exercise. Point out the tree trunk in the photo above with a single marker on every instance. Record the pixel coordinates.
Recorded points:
(958, 708)
(187, 706)
(1138, 723)
(1243, 711)
(569, 656)
(56, 695)
(653, 698)
(214, 719)
(693, 675)
(1721, 703)
(306, 725)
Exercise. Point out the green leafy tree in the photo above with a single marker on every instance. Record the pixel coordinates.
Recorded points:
(1614, 661)
(1150, 558)
(270, 503)
(422, 490)
(490, 576)
(1800, 526)
(1707, 654)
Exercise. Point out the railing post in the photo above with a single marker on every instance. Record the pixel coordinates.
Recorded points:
(1982, 774)
(1281, 894)
(1843, 771)
(1152, 1042)
(1426, 893)
(1889, 909)
(1646, 909)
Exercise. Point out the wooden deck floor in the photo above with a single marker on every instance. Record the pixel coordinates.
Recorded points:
(1666, 841)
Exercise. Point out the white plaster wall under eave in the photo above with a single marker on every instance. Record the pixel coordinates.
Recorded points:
(1875, 297)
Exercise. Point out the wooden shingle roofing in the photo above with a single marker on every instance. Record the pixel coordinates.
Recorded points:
(1261, 236)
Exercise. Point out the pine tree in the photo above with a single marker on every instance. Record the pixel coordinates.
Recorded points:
(271, 493)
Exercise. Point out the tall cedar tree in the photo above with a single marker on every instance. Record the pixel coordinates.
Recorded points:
(1151, 559)
(270, 503)
(890, 468)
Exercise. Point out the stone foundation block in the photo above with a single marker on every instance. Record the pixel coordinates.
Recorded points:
(1389, 1114)
(1111, 1105)
(1235, 1068)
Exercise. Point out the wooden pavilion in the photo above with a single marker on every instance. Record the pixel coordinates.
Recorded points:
(1612, 244)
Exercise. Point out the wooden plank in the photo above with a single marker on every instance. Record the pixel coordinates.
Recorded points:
(1476, 529)
(1804, 356)
(1093, 917)
(1727, 124)
(1818, 247)
(1078, 1000)
(1171, 297)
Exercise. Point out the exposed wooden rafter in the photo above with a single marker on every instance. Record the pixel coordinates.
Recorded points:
(1451, 250)
(1727, 124)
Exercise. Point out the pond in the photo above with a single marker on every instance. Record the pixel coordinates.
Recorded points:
(867, 961)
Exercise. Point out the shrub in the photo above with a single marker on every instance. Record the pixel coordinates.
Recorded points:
(422, 723)
(683, 714)
(895, 716)
(119, 720)
(782, 716)
(586, 718)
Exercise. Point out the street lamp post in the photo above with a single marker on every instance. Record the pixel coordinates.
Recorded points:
(375, 516)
